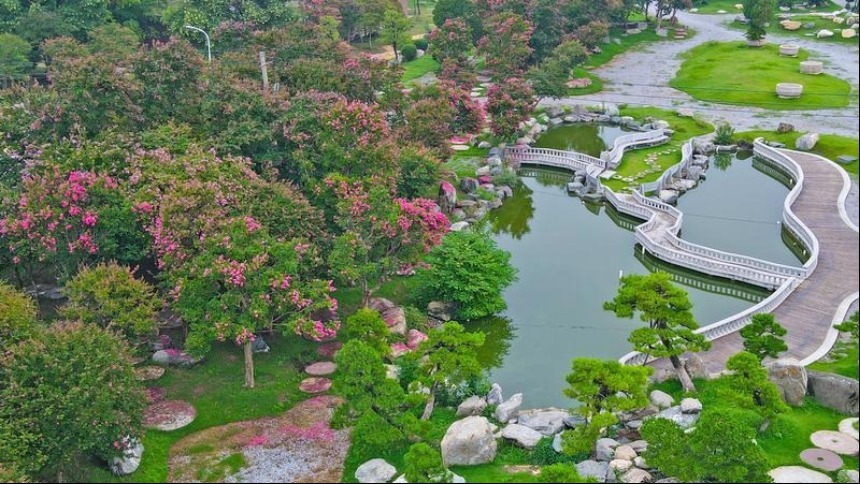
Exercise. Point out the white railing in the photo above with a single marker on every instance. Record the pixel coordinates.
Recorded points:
(556, 158)
(614, 156)
(730, 325)
(687, 151)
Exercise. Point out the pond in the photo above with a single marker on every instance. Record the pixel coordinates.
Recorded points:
(570, 255)
(588, 138)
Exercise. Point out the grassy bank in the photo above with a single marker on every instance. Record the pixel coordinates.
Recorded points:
(804, 33)
(714, 7)
(830, 146)
(732, 73)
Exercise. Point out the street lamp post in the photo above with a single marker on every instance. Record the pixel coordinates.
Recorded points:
(208, 43)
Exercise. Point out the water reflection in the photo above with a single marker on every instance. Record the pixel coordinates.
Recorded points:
(513, 217)
(588, 138)
(500, 335)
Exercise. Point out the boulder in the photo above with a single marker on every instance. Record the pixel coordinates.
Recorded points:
(625, 452)
(376, 470)
(785, 128)
(163, 342)
(174, 358)
(621, 465)
(636, 476)
(683, 420)
(791, 25)
(522, 435)
(130, 460)
(459, 226)
(849, 476)
(558, 443)
(824, 34)
(791, 379)
(548, 422)
(599, 471)
(508, 410)
(507, 192)
(472, 406)
(641, 463)
(469, 442)
(835, 392)
(441, 310)
(380, 304)
(807, 142)
(640, 446)
(661, 400)
(495, 397)
(395, 319)
(469, 185)
(414, 338)
(669, 196)
(696, 368)
(849, 33)
(691, 406)
(574, 421)
(611, 110)
(604, 449)
(259, 345)
(660, 124)
(482, 171)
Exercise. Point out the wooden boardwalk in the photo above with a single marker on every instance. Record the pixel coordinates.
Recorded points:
(808, 312)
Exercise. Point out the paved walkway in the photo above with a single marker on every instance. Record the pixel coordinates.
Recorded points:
(641, 77)
(808, 313)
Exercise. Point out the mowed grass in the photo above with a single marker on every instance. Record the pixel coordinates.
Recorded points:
(714, 6)
(843, 360)
(215, 388)
(803, 33)
(830, 146)
(732, 73)
(419, 67)
(634, 160)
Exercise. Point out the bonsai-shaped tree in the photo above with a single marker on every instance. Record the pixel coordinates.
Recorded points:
(423, 463)
(763, 337)
(759, 13)
(667, 310)
(750, 381)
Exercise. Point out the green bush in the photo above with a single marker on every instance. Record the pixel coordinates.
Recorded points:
(17, 316)
(409, 52)
(469, 270)
(109, 296)
(421, 44)
(561, 473)
(424, 464)
(725, 134)
(367, 325)
(506, 178)
(544, 455)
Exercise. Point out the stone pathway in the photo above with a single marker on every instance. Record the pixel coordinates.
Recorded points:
(169, 415)
(315, 385)
(641, 77)
(329, 350)
(322, 368)
(847, 427)
(835, 442)
(148, 373)
(796, 474)
(822, 459)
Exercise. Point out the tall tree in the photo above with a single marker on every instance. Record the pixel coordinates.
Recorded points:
(395, 30)
(447, 357)
(549, 79)
(85, 399)
(603, 388)
(506, 44)
(509, 103)
(667, 310)
(15, 64)
(763, 337)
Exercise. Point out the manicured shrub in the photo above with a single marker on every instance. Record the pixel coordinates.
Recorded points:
(367, 326)
(409, 52)
(560, 473)
(725, 135)
(422, 44)
(424, 464)
(17, 316)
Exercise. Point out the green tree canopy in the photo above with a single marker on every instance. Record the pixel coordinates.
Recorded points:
(763, 337)
(17, 316)
(423, 463)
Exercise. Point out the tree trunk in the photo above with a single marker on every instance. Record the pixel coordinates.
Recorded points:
(249, 365)
(683, 376)
(431, 402)
(396, 57)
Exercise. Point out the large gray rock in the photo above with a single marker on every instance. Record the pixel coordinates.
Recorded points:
(522, 435)
(691, 406)
(636, 476)
(791, 379)
(668, 196)
(696, 368)
(473, 405)
(661, 400)
(604, 449)
(835, 392)
(495, 397)
(469, 442)
(130, 461)
(174, 358)
(508, 410)
(548, 422)
(443, 311)
(611, 110)
(259, 345)
(625, 452)
(599, 471)
(376, 470)
(683, 420)
(558, 442)
(807, 141)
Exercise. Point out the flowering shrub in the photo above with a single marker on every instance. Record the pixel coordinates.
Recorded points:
(378, 235)
(506, 44)
(452, 41)
(509, 104)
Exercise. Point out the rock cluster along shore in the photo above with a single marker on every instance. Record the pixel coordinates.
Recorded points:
(481, 193)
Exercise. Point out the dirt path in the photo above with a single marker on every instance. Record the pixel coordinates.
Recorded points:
(641, 77)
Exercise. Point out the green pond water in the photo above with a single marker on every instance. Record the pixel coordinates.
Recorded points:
(570, 254)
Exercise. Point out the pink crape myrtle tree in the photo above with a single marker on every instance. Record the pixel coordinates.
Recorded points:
(379, 235)
(246, 282)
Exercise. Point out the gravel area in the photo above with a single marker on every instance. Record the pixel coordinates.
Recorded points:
(641, 77)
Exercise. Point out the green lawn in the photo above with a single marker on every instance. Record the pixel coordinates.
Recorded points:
(596, 83)
(732, 73)
(419, 67)
(714, 6)
(786, 436)
(829, 146)
(215, 388)
(843, 360)
(803, 33)
(634, 161)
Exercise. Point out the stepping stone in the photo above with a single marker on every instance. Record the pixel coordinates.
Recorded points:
(847, 427)
(837, 442)
(137, 360)
(459, 147)
(796, 474)
(155, 394)
(148, 373)
(822, 459)
(169, 415)
(329, 350)
(315, 385)
(323, 368)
